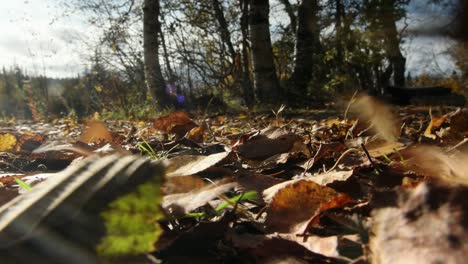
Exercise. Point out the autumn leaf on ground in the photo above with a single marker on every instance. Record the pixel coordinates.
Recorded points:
(381, 117)
(330, 176)
(285, 248)
(7, 141)
(434, 124)
(381, 149)
(192, 164)
(179, 205)
(178, 123)
(269, 142)
(182, 184)
(95, 132)
(293, 202)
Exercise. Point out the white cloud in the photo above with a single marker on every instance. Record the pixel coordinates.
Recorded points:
(32, 41)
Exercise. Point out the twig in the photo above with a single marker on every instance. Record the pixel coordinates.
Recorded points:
(349, 105)
(458, 145)
(350, 131)
(341, 157)
(368, 156)
(308, 165)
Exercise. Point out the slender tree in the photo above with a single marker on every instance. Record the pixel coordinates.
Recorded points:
(223, 28)
(247, 85)
(154, 78)
(266, 82)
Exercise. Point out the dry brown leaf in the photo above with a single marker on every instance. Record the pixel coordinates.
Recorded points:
(429, 226)
(181, 204)
(285, 248)
(435, 163)
(28, 142)
(182, 184)
(459, 121)
(377, 150)
(95, 132)
(293, 202)
(256, 182)
(192, 164)
(435, 123)
(178, 123)
(381, 116)
(331, 176)
(269, 142)
(196, 134)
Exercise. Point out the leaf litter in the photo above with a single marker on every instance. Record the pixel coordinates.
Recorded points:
(380, 184)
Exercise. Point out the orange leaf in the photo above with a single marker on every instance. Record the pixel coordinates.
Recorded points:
(95, 132)
(178, 123)
(293, 202)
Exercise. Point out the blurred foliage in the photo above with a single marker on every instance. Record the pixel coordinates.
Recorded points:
(131, 222)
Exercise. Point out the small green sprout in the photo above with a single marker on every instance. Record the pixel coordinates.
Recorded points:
(250, 195)
(23, 184)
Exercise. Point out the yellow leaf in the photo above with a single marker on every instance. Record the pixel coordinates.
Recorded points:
(7, 141)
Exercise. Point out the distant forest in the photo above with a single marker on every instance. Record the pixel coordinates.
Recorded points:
(192, 54)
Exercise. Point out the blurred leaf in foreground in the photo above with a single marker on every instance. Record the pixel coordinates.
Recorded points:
(131, 222)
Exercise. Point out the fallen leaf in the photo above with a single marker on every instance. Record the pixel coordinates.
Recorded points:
(199, 244)
(269, 142)
(380, 149)
(7, 142)
(192, 164)
(459, 121)
(178, 123)
(293, 202)
(182, 184)
(179, 205)
(196, 134)
(435, 123)
(330, 176)
(286, 248)
(95, 132)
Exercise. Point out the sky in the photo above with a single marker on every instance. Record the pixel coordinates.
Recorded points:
(37, 36)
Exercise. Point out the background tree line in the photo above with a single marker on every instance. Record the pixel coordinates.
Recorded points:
(165, 53)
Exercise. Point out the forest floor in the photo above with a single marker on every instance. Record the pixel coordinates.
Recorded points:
(372, 183)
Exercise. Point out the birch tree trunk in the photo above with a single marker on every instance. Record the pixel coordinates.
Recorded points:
(154, 78)
(265, 80)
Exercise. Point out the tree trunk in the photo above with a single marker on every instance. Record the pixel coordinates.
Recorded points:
(170, 72)
(307, 44)
(223, 28)
(392, 41)
(153, 73)
(339, 15)
(265, 80)
(247, 86)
